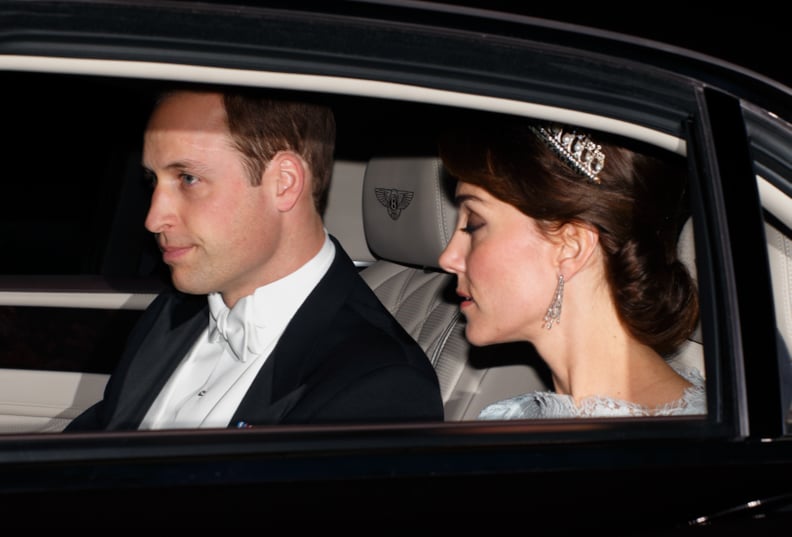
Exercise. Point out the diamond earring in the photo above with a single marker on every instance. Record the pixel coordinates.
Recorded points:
(553, 314)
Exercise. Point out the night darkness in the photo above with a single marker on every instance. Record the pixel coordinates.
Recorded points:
(756, 39)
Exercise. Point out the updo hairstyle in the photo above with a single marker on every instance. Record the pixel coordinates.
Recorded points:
(638, 208)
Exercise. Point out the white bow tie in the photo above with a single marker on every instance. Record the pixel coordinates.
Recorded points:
(235, 326)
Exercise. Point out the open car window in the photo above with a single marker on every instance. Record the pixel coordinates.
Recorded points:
(81, 267)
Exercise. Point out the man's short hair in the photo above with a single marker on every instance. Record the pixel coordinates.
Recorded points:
(261, 126)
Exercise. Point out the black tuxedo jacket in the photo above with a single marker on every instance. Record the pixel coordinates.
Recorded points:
(342, 359)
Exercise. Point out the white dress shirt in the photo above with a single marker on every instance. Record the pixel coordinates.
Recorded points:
(208, 386)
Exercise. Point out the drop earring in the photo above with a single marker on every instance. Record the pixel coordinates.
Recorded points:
(553, 314)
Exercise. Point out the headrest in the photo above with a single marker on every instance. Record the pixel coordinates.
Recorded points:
(686, 251)
(408, 209)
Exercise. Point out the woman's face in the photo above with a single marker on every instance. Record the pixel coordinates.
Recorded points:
(506, 269)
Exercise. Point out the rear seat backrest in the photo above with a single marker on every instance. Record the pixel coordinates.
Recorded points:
(779, 249)
(691, 353)
(408, 217)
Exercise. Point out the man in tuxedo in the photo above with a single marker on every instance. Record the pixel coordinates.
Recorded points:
(269, 321)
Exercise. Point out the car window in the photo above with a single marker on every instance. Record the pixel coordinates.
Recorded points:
(770, 141)
(77, 227)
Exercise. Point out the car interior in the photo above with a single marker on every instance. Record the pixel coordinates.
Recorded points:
(393, 211)
(406, 277)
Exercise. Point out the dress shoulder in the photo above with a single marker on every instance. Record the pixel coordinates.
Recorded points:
(553, 405)
(530, 406)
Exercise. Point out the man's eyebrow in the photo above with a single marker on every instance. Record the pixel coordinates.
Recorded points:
(181, 165)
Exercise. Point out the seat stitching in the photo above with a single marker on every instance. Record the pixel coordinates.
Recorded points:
(443, 339)
(439, 202)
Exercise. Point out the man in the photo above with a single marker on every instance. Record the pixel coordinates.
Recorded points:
(269, 321)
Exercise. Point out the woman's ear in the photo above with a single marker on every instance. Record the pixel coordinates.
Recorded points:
(291, 179)
(577, 244)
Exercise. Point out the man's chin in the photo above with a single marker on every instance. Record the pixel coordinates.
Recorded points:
(187, 286)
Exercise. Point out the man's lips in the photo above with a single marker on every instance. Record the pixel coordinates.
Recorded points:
(174, 253)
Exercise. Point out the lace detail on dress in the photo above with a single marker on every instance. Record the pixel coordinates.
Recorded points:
(554, 405)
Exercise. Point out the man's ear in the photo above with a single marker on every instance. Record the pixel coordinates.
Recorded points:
(291, 179)
(577, 242)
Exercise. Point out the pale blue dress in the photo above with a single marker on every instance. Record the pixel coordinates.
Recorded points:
(553, 405)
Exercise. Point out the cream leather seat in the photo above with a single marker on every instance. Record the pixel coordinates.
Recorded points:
(779, 250)
(691, 354)
(408, 218)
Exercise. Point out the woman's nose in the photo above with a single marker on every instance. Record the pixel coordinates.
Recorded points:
(451, 259)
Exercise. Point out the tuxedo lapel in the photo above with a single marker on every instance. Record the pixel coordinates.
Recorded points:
(280, 383)
(173, 332)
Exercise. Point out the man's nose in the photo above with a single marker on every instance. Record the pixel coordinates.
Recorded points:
(160, 214)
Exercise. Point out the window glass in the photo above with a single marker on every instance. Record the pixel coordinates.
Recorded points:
(71, 217)
(771, 138)
(66, 152)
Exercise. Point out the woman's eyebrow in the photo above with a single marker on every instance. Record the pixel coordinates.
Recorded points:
(461, 198)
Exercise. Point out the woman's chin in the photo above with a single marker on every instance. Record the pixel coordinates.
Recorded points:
(478, 337)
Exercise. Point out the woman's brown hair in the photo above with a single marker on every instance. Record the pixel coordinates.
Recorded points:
(638, 208)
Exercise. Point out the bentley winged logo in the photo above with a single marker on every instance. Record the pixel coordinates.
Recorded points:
(394, 200)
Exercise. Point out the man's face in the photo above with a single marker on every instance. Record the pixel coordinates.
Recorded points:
(216, 231)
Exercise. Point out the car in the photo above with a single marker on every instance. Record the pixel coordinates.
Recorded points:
(78, 269)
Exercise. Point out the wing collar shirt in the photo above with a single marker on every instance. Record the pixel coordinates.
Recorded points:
(207, 387)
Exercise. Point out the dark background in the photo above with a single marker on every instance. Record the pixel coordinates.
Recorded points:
(755, 37)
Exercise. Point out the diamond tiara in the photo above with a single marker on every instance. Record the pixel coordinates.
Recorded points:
(575, 148)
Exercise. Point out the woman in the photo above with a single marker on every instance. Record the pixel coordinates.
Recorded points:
(568, 241)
